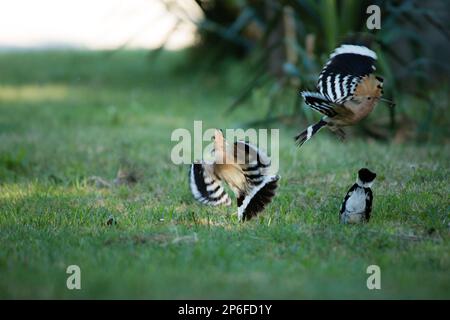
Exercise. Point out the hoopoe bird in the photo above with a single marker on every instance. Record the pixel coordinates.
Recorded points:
(347, 91)
(244, 168)
(357, 204)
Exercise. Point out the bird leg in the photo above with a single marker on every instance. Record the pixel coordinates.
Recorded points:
(339, 132)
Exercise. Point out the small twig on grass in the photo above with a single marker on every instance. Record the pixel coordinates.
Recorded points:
(99, 182)
(188, 239)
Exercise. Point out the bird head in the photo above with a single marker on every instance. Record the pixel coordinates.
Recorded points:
(366, 177)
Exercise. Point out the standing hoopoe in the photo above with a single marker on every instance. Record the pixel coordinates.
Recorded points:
(244, 168)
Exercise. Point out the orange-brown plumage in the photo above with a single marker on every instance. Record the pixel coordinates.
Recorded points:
(370, 86)
(347, 90)
(244, 168)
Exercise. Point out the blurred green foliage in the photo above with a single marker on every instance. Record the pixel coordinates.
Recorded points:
(288, 42)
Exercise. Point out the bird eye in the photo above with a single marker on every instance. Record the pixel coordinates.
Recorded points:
(369, 98)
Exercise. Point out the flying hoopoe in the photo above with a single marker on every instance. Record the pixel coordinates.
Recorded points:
(357, 204)
(244, 168)
(347, 90)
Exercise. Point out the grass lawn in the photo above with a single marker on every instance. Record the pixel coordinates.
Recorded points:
(66, 117)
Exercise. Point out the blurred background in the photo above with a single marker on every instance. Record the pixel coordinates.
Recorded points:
(92, 25)
(270, 50)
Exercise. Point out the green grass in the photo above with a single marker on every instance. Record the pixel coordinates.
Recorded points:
(68, 116)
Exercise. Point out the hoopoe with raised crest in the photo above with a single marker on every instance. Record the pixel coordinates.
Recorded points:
(244, 168)
(347, 91)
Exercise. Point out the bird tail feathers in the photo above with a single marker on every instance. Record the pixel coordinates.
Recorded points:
(305, 135)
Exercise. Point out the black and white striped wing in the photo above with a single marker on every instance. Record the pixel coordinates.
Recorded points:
(254, 162)
(258, 198)
(318, 102)
(206, 187)
(347, 65)
(255, 165)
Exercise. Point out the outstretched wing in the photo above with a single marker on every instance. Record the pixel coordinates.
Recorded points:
(253, 162)
(255, 201)
(205, 186)
(319, 103)
(255, 165)
(347, 65)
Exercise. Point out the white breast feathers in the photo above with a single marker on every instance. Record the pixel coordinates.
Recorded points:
(356, 204)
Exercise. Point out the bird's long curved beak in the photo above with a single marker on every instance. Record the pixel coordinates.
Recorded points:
(390, 103)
